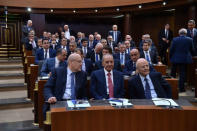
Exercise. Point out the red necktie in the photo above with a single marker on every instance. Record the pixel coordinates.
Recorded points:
(110, 86)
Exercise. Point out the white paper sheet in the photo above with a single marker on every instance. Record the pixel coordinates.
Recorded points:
(120, 102)
(164, 102)
(78, 103)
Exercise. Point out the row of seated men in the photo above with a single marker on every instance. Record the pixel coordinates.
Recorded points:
(92, 57)
(70, 82)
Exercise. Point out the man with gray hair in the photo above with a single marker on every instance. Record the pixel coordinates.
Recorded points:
(181, 52)
(192, 33)
(148, 85)
(26, 29)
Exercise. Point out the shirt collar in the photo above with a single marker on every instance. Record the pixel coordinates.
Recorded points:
(106, 72)
(69, 71)
(56, 59)
(142, 77)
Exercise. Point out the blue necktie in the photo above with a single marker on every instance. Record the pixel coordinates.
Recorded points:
(122, 59)
(73, 97)
(45, 57)
(134, 66)
(97, 57)
(147, 57)
(147, 89)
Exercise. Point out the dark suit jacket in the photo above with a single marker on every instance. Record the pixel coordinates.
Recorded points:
(119, 39)
(162, 35)
(56, 85)
(60, 46)
(98, 85)
(92, 56)
(48, 65)
(89, 50)
(117, 56)
(89, 66)
(129, 68)
(54, 47)
(162, 88)
(117, 66)
(153, 56)
(40, 54)
(29, 46)
(181, 50)
(194, 39)
(25, 32)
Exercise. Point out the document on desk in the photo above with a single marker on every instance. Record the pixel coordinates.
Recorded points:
(164, 102)
(120, 102)
(78, 103)
(44, 77)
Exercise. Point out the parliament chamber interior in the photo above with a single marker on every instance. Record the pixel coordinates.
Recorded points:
(98, 65)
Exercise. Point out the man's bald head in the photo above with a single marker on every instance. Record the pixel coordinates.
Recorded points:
(134, 54)
(142, 67)
(108, 62)
(75, 62)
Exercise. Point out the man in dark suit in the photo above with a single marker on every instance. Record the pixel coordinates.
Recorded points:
(107, 50)
(130, 66)
(148, 85)
(45, 52)
(192, 33)
(97, 40)
(51, 63)
(122, 56)
(31, 42)
(132, 43)
(107, 83)
(111, 43)
(66, 83)
(86, 50)
(165, 38)
(26, 29)
(91, 41)
(115, 34)
(96, 54)
(180, 55)
(72, 47)
(150, 55)
(64, 45)
(128, 46)
(86, 63)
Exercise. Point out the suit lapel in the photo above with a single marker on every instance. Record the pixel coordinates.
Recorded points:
(64, 79)
(115, 80)
(104, 81)
(140, 85)
(154, 84)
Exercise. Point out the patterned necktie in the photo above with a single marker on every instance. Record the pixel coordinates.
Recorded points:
(73, 97)
(45, 57)
(110, 86)
(147, 89)
(147, 57)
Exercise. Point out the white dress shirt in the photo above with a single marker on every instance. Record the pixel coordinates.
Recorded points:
(83, 65)
(148, 56)
(67, 93)
(152, 89)
(65, 48)
(67, 34)
(48, 56)
(33, 44)
(106, 78)
(57, 62)
(123, 58)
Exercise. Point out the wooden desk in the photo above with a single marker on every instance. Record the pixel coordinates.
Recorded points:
(138, 118)
(161, 69)
(40, 100)
(196, 83)
(33, 77)
(191, 72)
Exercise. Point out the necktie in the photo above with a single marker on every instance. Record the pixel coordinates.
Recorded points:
(147, 57)
(97, 57)
(110, 86)
(166, 34)
(85, 52)
(73, 97)
(45, 57)
(192, 35)
(147, 89)
(122, 59)
(134, 66)
(114, 35)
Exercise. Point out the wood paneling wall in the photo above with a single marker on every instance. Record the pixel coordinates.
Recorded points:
(71, 3)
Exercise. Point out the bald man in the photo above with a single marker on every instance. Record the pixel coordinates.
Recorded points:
(107, 83)
(96, 54)
(147, 85)
(130, 66)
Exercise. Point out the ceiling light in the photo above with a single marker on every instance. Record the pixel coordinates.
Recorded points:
(29, 9)
(95, 10)
(117, 9)
(164, 3)
(51, 10)
(140, 6)
(74, 11)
